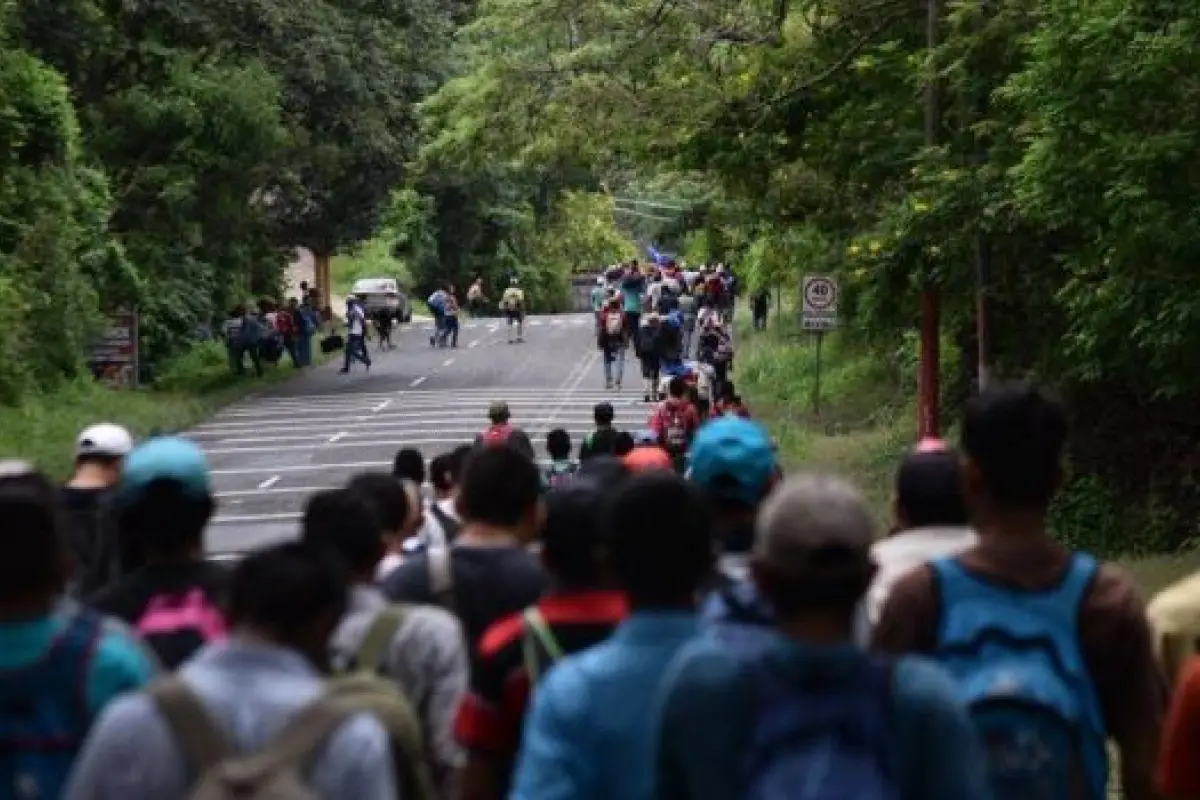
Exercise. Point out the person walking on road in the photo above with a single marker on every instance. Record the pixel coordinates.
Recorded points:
(501, 432)
(612, 343)
(513, 304)
(356, 336)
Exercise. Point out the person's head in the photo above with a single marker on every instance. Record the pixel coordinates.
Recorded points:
(659, 540)
(441, 475)
(733, 463)
(165, 499)
(348, 524)
(498, 413)
(812, 555)
(558, 444)
(389, 499)
(501, 492)
(292, 595)
(929, 490)
(572, 543)
(623, 443)
(100, 451)
(303, 287)
(603, 414)
(1013, 438)
(677, 387)
(409, 465)
(35, 563)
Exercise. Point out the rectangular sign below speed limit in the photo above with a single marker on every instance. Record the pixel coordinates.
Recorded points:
(819, 303)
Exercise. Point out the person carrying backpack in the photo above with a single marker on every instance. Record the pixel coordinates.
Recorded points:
(501, 432)
(602, 440)
(1052, 652)
(174, 599)
(561, 469)
(87, 498)
(409, 656)
(675, 421)
(648, 348)
(612, 342)
(252, 717)
(807, 714)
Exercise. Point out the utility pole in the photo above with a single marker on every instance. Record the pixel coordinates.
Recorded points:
(929, 392)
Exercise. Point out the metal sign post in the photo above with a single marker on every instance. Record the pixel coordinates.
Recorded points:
(818, 315)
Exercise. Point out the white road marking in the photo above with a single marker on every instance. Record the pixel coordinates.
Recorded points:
(269, 482)
(259, 492)
(447, 362)
(313, 467)
(337, 437)
(237, 518)
(474, 343)
(582, 427)
(219, 451)
(381, 406)
(418, 381)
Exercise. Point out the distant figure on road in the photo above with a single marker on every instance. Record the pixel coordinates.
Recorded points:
(356, 336)
(513, 304)
(501, 431)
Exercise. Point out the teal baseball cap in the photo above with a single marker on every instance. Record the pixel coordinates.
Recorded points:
(733, 458)
(167, 458)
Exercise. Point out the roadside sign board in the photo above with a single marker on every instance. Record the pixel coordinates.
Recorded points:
(114, 355)
(819, 310)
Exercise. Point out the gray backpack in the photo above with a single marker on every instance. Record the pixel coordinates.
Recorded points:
(277, 772)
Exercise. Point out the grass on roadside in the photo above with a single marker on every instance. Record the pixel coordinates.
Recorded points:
(43, 428)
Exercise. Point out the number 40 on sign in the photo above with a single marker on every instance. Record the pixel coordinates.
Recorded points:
(819, 308)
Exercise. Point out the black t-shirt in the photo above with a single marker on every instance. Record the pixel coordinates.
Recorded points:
(488, 583)
(600, 442)
(92, 536)
(175, 608)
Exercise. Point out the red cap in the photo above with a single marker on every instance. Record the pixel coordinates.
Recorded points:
(644, 459)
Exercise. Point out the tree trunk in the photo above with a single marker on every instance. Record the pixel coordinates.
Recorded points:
(321, 279)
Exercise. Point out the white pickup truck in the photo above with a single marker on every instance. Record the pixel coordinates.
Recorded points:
(378, 294)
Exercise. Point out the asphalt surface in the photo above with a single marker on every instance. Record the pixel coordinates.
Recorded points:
(270, 452)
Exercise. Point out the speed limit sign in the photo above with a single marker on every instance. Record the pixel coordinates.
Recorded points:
(819, 310)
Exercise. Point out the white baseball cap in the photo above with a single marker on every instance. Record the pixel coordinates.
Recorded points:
(104, 439)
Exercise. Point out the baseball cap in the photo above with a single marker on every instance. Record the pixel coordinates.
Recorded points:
(104, 439)
(733, 457)
(167, 458)
(644, 459)
(810, 514)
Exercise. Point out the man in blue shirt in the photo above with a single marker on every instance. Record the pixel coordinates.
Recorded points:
(742, 722)
(590, 733)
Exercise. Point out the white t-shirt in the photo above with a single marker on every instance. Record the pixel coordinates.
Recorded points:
(432, 532)
(354, 322)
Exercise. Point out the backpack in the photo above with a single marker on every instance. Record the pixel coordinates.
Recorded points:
(675, 436)
(279, 771)
(560, 474)
(539, 647)
(44, 713)
(1020, 671)
(177, 625)
(497, 435)
(614, 323)
(371, 655)
(822, 737)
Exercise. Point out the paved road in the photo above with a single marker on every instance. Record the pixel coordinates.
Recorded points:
(270, 452)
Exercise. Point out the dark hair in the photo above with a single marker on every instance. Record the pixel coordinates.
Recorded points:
(499, 415)
(571, 538)
(440, 473)
(1015, 433)
(458, 461)
(35, 540)
(558, 444)
(603, 414)
(163, 518)
(835, 580)
(623, 444)
(386, 495)
(676, 387)
(100, 459)
(929, 490)
(500, 485)
(659, 532)
(410, 464)
(283, 589)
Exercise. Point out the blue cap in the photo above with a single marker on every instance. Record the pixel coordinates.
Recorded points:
(170, 458)
(733, 457)
(645, 436)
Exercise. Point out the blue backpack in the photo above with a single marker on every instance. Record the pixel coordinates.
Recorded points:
(44, 713)
(1020, 670)
(823, 739)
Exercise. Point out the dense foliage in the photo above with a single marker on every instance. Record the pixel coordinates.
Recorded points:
(1066, 152)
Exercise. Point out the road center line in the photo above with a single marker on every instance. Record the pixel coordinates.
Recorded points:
(447, 362)
(418, 381)
(269, 482)
(474, 343)
(381, 406)
(337, 437)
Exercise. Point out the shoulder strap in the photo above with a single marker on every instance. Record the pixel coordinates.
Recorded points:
(300, 740)
(441, 577)
(372, 653)
(537, 632)
(204, 745)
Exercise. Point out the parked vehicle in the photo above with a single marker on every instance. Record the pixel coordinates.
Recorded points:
(383, 293)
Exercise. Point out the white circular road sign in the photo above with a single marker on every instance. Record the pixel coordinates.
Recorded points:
(820, 294)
